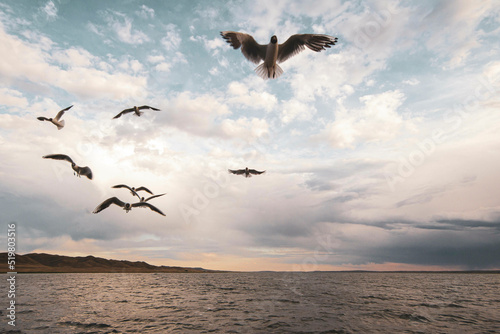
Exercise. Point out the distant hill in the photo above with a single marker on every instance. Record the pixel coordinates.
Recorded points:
(48, 263)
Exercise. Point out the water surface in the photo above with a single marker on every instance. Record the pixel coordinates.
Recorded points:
(257, 303)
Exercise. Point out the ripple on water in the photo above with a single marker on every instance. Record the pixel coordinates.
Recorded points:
(258, 303)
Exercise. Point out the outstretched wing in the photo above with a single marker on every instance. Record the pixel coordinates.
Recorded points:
(42, 118)
(60, 113)
(125, 186)
(154, 196)
(255, 172)
(123, 112)
(152, 207)
(297, 43)
(237, 171)
(86, 171)
(145, 189)
(147, 107)
(107, 203)
(252, 50)
(122, 186)
(58, 157)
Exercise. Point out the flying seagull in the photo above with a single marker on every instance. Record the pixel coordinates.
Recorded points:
(134, 191)
(78, 170)
(274, 52)
(126, 206)
(247, 172)
(57, 121)
(135, 110)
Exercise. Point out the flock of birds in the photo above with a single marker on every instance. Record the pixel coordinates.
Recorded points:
(270, 54)
(86, 171)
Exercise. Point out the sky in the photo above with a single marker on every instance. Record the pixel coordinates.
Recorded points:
(381, 153)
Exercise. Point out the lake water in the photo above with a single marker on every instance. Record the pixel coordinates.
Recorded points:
(256, 303)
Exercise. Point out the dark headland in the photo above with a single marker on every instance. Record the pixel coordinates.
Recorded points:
(49, 263)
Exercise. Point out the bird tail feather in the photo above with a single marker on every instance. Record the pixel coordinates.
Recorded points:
(59, 127)
(268, 73)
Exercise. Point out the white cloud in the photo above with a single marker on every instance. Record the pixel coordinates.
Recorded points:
(251, 93)
(11, 97)
(368, 37)
(94, 28)
(195, 114)
(172, 38)
(212, 45)
(215, 43)
(324, 9)
(38, 39)
(122, 26)
(50, 11)
(411, 82)
(165, 64)
(131, 65)
(207, 116)
(492, 73)
(214, 71)
(179, 57)
(296, 110)
(377, 120)
(146, 12)
(75, 57)
(309, 78)
(32, 62)
(457, 23)
(42, 106)
(163, 67)
(265, 17)
(155, 59)
(248, 129)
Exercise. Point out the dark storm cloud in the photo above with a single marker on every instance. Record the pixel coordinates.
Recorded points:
(450, 243)
(442, 248)
(464, 244)
(462, 224)
(457, 243)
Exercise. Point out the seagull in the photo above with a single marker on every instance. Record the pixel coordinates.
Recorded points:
(274, 52)
(126, 206)
(56, 120)
(135, 110)
(134, 191)
(247, 172)
(78, 170)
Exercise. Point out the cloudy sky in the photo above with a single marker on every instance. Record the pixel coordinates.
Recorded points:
(380, 153)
